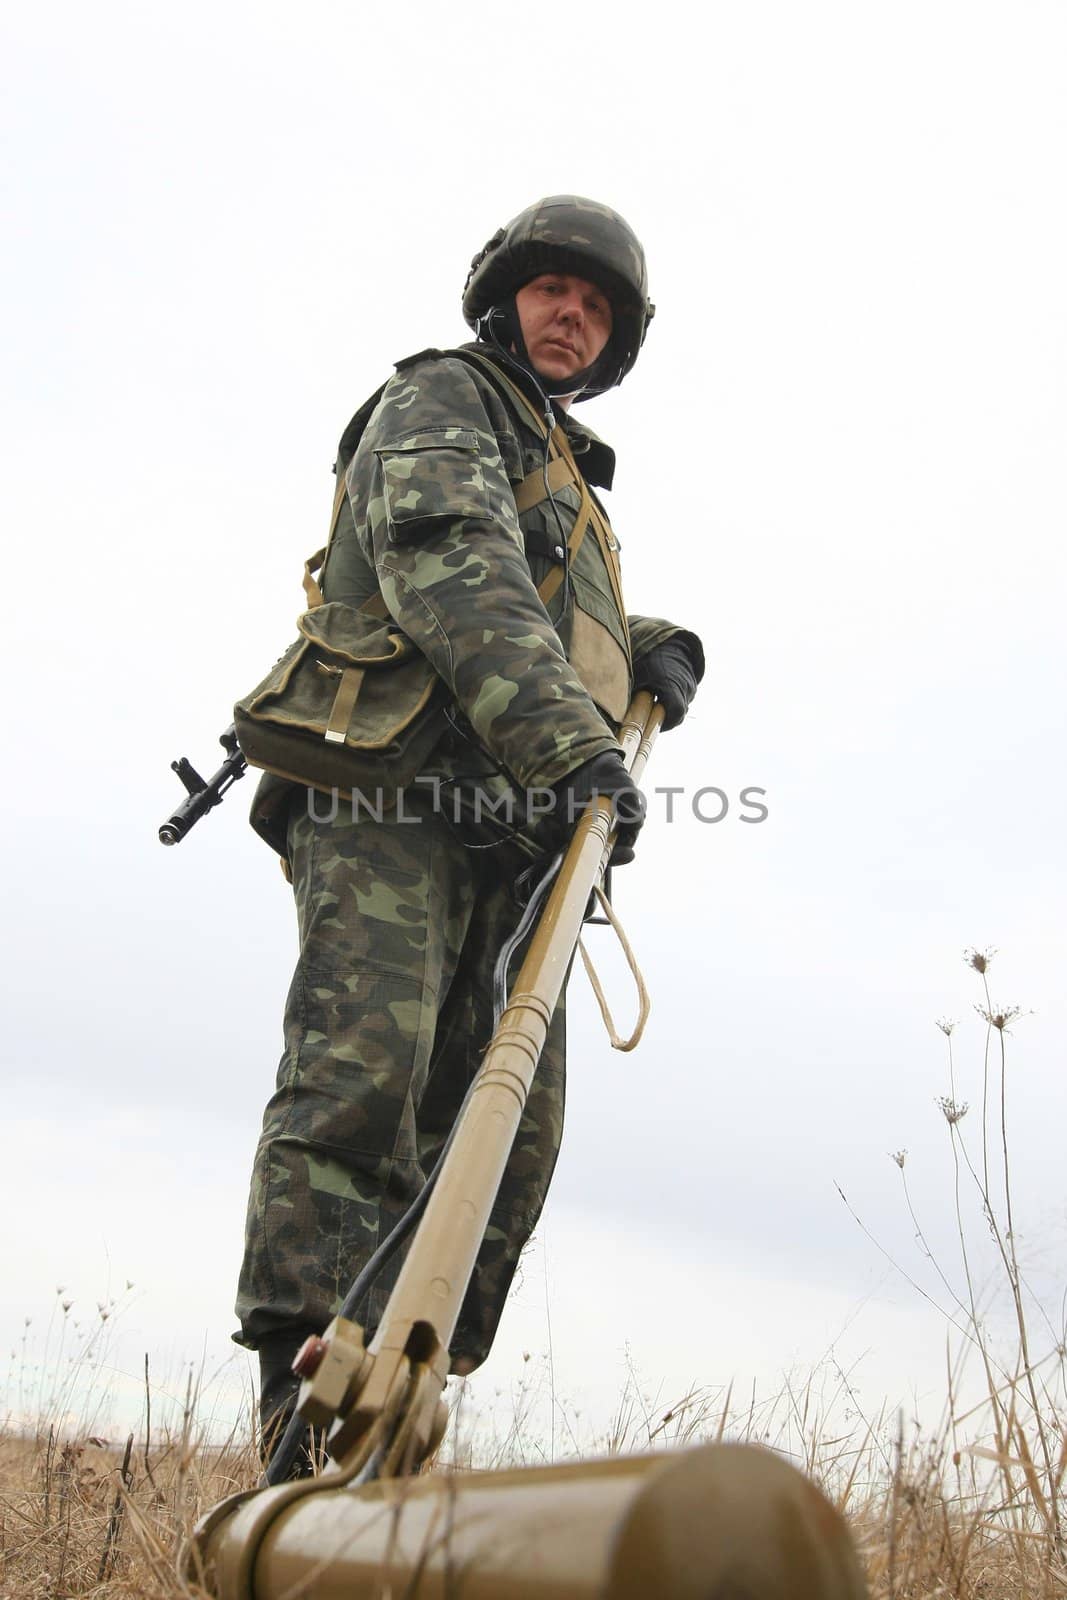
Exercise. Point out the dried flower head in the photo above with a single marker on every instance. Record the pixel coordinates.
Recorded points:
(952, 1110)
(945, 1026)
(899, 1156)
(1000, 1018)
(979, 959)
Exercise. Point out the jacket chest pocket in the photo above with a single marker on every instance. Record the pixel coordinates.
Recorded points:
(431, 477)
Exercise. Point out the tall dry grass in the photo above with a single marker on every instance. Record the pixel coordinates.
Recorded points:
(972, 1509)
(976, 1509)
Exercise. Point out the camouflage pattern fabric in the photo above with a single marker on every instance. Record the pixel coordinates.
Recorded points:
(400, 923)
(560, 224)
(389, 1012)
(587, 225)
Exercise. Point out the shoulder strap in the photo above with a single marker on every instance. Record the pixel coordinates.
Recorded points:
(314, 564)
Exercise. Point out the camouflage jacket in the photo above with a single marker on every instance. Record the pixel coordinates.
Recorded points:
(431, 522)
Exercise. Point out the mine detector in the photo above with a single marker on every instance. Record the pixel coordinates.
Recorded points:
(723, 1520)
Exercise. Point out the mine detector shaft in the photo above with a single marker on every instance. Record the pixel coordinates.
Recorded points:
(372, 1525)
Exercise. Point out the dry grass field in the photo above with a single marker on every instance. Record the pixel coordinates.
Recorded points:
(973, 1510)
(81, 1518)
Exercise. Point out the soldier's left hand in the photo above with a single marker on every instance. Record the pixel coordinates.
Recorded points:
(667, 670)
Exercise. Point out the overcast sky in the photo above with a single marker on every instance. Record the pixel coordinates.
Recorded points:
(840, 461)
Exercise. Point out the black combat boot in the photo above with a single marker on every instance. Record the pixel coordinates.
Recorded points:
(278, 1387)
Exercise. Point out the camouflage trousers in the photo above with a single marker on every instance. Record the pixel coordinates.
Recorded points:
(386, 1021)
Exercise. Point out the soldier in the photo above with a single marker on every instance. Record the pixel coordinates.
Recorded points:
(470, 510)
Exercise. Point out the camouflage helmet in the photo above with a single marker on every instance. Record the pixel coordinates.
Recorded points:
(565, 233)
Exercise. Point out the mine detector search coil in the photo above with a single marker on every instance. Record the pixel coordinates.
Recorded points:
(204, 793)
(682, 1525)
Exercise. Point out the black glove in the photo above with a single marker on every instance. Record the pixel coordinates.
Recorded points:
(605, 776)
(668, 670)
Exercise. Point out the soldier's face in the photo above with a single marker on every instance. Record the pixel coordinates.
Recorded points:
(565, 321)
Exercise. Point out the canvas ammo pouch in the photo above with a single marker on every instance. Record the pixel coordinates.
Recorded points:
(351, 705)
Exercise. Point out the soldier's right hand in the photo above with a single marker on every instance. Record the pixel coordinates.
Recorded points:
(603, 777)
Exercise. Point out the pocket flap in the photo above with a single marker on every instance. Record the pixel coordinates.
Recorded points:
(433, 439)
(432, 475)
(353, 637)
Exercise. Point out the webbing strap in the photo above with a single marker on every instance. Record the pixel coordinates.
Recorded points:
(581, 527)
(314, 564)
(562, 468)
(532, 490)
(558, 442)
(589, 514)
(343, 705)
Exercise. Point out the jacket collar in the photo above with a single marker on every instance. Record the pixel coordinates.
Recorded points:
(596, 459)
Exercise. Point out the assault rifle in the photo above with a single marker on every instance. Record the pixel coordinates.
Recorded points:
(204, 793)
